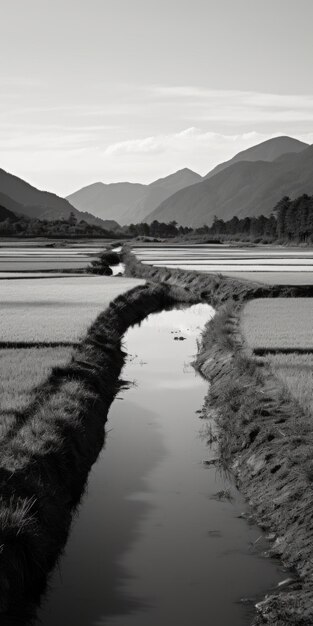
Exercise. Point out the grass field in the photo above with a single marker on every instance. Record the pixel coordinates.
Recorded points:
(284, 323)
(296, 372)
(21, 370)
(41, 311)
(55, 310)
(278, 323)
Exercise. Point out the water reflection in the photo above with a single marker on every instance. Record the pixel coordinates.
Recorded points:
(152, 544)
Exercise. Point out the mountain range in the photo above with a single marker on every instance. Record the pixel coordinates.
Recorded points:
(21, 198)
(130, 202)
(244, 188)
(266, 151)
(250, 183)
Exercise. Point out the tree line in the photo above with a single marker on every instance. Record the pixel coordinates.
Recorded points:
(291, 220)
(21, 226)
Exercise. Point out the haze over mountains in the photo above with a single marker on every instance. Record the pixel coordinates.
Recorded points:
(21, 198)
(130, 202)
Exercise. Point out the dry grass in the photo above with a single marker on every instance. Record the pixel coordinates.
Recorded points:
(296, 373)
(278, 323)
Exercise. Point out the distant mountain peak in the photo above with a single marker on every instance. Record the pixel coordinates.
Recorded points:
(242, 188)
(23, 198)
(267, 150)
(185, 174)
(130, 202)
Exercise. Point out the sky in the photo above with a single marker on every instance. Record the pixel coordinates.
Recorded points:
(112, 90)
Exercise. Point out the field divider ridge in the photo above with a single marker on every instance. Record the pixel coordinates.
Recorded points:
(46, 457)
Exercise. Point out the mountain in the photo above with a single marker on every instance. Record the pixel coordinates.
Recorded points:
(110, 201)
(266, 151)
(11, 205)
(130, 202)
(33, 202)
(6, 214)
(243, 189)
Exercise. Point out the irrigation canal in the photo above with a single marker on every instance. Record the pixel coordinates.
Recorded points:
(159, 540)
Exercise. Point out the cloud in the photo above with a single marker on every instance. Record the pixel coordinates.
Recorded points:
(234, 106)
(187, 142)
(139, 132)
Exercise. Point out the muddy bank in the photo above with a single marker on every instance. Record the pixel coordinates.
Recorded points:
(47, 454)
(266, 440)
(214, 288)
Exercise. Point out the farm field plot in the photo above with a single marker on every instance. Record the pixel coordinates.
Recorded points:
(284, 324)
(273, 277)
(278, 323)
(272, 265)
(47, 274)
(296, 372)
(32, 265)
(29, 259)
(23, 369)
(55, 310)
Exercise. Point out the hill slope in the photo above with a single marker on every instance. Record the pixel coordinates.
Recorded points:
(110, 201)
(266, 151)
(6, 214)
(130, 202)
(242, 189)
(33, 202)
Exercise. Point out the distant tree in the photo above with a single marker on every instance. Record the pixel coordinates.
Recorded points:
(280, 211)
(72, 219)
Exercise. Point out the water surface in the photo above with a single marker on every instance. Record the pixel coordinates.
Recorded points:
(270, 264)
(154, 543)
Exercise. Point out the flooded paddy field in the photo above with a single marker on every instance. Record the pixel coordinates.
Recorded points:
(29, 259)
(159, 537)
(273, 265)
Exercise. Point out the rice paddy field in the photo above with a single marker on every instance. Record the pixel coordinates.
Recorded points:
(38, 259)
(296, 372)
(55, 310)
(271, 327)
(278, 323)
(22, 370)
(267, 264)
(41, 318)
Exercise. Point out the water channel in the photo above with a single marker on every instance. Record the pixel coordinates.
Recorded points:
(159, 539)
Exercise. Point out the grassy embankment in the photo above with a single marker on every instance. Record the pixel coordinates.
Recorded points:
(40, 322)
(50, 446)
(265, 436)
